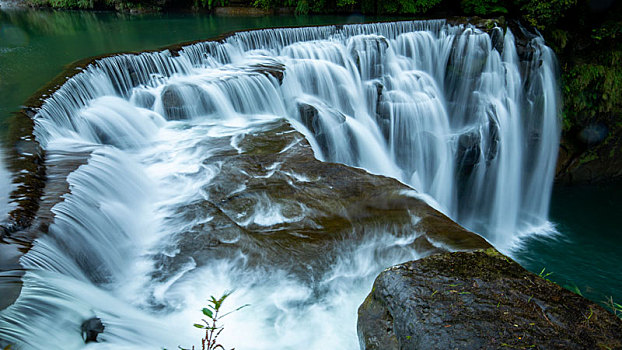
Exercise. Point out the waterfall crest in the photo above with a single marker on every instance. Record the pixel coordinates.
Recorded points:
(463, 116)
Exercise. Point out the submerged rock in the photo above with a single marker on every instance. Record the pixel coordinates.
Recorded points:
(479, 300)
(91, 328)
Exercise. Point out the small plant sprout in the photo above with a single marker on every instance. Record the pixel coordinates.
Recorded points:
(615, 307)
(211, 323)
(544, 275)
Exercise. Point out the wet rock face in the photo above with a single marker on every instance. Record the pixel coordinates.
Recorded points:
(272, 201)
(179, 102)
(581, 161)
(479, 300)
(91, 328)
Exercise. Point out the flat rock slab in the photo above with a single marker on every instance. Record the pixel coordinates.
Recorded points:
(479, 300)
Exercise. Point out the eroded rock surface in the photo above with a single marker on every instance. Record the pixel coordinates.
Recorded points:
(479, 300)
(272, 201)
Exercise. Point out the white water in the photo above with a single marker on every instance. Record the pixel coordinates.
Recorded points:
(434, 106)
(6, 186)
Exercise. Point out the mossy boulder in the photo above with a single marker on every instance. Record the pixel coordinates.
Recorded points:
(479, 300)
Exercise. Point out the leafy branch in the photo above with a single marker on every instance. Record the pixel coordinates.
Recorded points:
(211, 323)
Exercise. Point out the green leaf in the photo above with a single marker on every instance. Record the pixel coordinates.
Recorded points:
(238, 309)
(199, 325)
(207, 312)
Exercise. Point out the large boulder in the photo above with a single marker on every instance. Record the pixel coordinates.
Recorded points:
(479, 300)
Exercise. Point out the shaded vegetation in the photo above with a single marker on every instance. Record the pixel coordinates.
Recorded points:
(588, 43)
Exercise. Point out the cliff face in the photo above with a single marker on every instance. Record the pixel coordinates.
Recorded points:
(580, 162)
(479, 300)
(587, 43)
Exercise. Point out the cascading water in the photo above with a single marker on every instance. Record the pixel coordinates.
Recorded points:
(450, 110)
(5, 188)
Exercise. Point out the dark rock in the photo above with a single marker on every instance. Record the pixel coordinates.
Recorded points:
(183, 101)
(322, 204)
(142, 98)
(493, 137)
(274, 69)
(496, 37)
(310, 117)
(479, 300)
(469, 151)
(321, 129)
(383, 110)
(369, 52)
(91, 328)
(174, 103)
(583, 159)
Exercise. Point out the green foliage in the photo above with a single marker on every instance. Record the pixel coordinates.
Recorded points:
(120, 5)
(593, 89)
(483, 7)
(587, 157)
(609, 30)
(209, 3)
(541, 14)
(573, 288)
(558, 39)
(406, 6)
(343, 3)
(367, 6)
(614, 307)
(211, 323)
(544, 275)
(82, 4)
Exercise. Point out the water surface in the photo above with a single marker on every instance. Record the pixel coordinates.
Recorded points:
(586, 254)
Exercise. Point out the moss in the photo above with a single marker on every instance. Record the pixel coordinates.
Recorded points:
(587, 157)
(484, 302)
(592, 89)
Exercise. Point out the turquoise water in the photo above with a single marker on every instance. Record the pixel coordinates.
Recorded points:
(587, 253)
(36, 45)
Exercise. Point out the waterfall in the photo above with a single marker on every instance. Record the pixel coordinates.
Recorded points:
(5, 188)
(452, 111)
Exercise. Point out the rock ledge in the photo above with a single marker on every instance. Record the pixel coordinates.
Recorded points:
(479, 300)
